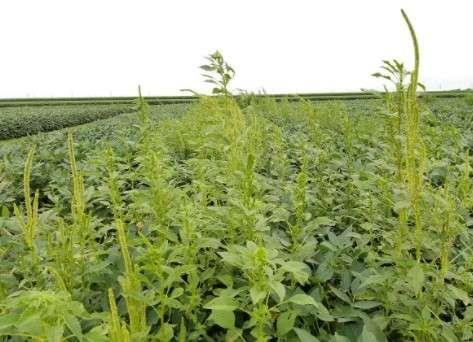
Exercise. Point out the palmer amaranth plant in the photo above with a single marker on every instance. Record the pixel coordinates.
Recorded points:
(224, 73)
(403, 127)
(257, 220)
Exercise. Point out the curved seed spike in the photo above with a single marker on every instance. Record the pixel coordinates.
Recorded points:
(415, 72)
(27, 179)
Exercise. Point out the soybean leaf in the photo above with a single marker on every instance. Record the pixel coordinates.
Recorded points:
(225, 319)
(221, 304)
(285, 322)
(305, 336)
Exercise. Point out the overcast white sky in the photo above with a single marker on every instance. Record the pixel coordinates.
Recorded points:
(108, 47)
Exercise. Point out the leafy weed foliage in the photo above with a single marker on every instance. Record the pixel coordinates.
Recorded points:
(290, 221)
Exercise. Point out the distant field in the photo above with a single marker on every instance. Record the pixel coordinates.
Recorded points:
(152, 100)
(21, 117)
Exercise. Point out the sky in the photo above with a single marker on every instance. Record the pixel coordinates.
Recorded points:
(65, 48)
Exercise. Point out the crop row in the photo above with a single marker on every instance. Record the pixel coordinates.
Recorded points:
(21, 121)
